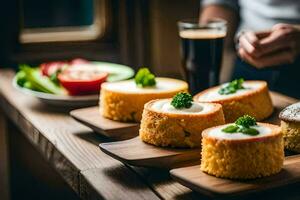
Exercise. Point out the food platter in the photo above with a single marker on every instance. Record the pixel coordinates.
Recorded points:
(152, 148)
(91, 118)
(135, 152)
(116, 72)
(59, 100)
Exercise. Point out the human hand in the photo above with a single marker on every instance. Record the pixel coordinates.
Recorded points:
(280, 45)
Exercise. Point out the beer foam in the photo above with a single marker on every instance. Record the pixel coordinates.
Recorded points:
(202, 34)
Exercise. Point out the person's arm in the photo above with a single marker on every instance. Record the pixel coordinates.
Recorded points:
(227, 10)
(280, 45)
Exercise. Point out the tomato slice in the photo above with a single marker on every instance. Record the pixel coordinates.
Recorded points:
(82, 79)
(50, 68)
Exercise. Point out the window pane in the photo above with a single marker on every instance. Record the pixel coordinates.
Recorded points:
(57, 13)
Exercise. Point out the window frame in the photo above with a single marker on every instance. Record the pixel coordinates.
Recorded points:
(67, 34)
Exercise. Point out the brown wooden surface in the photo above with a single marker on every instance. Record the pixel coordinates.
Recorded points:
(109, 128)
(31, 176)
(72, 150)
(69, 147)
(197, 180)
(280, 102)
(138, 153)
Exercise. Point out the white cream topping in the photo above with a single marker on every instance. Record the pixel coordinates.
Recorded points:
(164, 105)
(213, 94)
(219, 134)
(162, 84)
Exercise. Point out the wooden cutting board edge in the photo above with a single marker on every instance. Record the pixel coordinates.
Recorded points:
(114, 133)
(295, 160)
(166, 162)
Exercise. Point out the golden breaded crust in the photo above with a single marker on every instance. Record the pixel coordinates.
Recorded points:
(256, 103)
(243, 159)
(128, 107)
(291, 135)
(177, 130)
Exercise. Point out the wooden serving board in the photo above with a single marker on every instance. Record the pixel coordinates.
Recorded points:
(193, 178)
(136, 152)
(109, 128)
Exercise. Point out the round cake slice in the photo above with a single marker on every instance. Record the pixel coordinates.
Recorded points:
(163, 125)
(252, 98)
(124, 100)
(290, 127)
(237, 155)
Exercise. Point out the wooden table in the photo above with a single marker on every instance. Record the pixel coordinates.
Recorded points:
(72, 150)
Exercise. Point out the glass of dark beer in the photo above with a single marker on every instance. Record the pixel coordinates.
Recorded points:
(202, 50)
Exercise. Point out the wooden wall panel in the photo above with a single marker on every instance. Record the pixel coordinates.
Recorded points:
(165, 48)
(4, 165)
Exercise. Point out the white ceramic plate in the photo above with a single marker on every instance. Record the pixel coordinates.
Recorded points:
(59, 100)
(79, 101)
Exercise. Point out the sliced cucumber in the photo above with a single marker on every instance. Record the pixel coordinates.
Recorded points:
(38, 82)
(116, 72)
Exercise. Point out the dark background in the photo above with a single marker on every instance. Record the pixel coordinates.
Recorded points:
(56, 13)
(140, 32)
